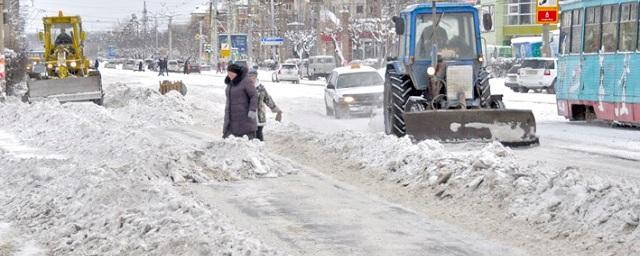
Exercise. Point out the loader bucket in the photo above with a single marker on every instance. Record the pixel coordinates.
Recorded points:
(67, 89)
(510, 127)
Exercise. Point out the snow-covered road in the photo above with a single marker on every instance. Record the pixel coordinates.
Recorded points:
(149, 174)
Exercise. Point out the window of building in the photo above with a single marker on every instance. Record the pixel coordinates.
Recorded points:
(610, 17)
(520, 12)
(592, 30)
(359, 9)
(565, 32)
(629, 27)
(576, 31)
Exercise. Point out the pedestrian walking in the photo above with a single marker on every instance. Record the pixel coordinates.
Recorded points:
(264, 100)
(96, 65)
(161, 67)
(240, 112)
(186, 67)
(166, 66)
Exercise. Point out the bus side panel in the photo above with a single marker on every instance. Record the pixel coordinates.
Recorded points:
(612, 65)
(591, 89)
(625, 94)
(633, 86)
(568, 83)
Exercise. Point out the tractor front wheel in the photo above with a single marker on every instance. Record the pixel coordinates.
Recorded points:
(397, 90)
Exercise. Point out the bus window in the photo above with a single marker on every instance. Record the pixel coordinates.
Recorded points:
(576, 31)
(592, 30)
(565, 31)
(610, 15)
(629, 27)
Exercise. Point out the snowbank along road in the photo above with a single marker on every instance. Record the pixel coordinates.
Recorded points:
(149, 174)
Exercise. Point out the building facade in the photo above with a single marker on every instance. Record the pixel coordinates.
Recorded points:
(509, 19)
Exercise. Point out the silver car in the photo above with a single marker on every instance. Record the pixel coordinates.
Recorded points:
(288, 72)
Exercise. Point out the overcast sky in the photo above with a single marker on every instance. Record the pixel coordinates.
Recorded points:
(103, 14)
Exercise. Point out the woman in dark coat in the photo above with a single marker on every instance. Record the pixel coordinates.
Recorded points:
(240, 112)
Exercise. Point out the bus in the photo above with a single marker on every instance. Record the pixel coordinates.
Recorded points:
(599, 61)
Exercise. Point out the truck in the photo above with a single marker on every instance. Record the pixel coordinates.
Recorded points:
(438, 87)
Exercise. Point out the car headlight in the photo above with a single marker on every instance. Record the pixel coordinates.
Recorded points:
(431, 71)
(73, 64)
(50, 66)
(34, 63)
(348, 99)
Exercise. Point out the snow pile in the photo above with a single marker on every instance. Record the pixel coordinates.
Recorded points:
(143, 104)
(115, 190)
(602, 213)
(132, 135)
(75, 209)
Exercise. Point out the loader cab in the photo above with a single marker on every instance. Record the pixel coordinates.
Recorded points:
(457, 35)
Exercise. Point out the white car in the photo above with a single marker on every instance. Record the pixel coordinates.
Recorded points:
(287, 72)
(173, 66)
(354, 89)
(538, 74)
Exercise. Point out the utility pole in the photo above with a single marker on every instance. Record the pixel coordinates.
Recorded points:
(273, 31)
(250, 31)
(213, 40)
(1, 27)
(199, 41)
(229, 11)
(170, 37)
(156, 30)
(546, 48)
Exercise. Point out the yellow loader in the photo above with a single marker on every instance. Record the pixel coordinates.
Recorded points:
(67, 77)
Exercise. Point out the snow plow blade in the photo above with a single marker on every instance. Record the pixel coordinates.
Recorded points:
(510, 127)
(67, 89)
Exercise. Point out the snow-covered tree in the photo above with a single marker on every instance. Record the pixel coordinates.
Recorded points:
(302, 41)
(380, 31)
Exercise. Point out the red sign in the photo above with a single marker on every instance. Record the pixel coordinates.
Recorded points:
(2, 71)
(548, 16)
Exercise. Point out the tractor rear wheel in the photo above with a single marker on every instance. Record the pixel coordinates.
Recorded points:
(397, 90)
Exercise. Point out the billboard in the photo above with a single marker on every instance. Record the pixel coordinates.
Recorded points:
(239, 45)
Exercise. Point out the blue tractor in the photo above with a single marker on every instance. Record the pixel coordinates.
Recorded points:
(438, 88)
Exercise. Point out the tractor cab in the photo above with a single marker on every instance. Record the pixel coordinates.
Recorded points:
(63, 40)
(447, 34)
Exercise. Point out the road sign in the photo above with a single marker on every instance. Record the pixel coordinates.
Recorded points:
(272, 41)
(225, 53)
(547, 11)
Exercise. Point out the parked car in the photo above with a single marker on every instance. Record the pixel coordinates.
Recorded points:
(130, 64)
(321, 66)
(150, 64)
(196, 68)
(512, 78)
(173, 66)
(269, 64)
(538, 74)
(371, 63)
(287, 72)
(354, 89)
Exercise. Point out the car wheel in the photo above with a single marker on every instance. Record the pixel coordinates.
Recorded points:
(328, 111)
(524, 90)
(337, 112)
(552, 89)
